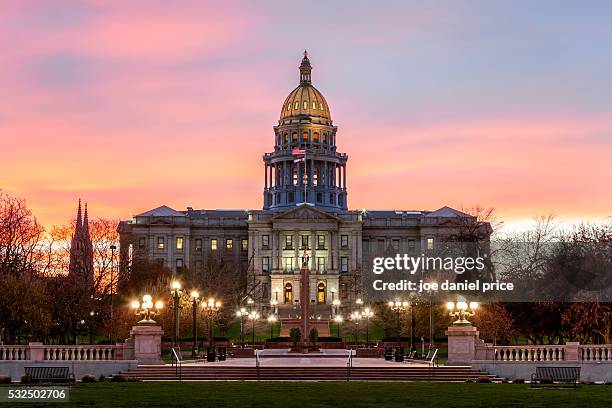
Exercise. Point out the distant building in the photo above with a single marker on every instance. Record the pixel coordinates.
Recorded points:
(305, 206)
(81, 247)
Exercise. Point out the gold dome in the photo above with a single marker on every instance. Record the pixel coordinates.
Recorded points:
(305, 100)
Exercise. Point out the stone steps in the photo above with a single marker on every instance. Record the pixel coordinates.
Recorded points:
(203, 373)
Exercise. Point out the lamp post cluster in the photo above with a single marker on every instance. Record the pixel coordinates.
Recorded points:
(147, 309)
(461, 310)
(365, 313)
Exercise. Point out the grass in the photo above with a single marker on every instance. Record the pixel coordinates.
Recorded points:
(330, 394)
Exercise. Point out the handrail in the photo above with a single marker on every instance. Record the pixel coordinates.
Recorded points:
(431, 364)
(257, 362)
(178, 370)
(349, 364)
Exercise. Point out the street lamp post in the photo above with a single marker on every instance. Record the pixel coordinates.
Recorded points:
(367, 314)
(195, 300)
(241, 314)
(338, 320)
(212, 306)
(412, 327)
(398, 307)
(176, 296)
(356, 317)
(253, 316)
(274, 306)
(431, 321)
(272, 319)
(112, 305)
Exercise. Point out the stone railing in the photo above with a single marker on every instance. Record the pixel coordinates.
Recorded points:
(595, 352)
(10, 353)
(529, 353)
(84, 352)
(571, 351)
(40, 352)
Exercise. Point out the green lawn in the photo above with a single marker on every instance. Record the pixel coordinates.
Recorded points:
(331, 394)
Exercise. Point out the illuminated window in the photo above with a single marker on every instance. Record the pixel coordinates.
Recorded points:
(320, 264)
(213, 244)
(320, 241)
(288, 263)
(315, 177)
(430, 244)
(305, 105)
(229, 244)
(321, 292)
(320, 106)
(288, 292)
(305, 136)
(289, 106)
(161, 242)
(244, 245)
(296, 105)
(344, 241)
(344, 264)
(288, 241)
(314, 105)
(294, 177)
(179, 243)
(294, 136)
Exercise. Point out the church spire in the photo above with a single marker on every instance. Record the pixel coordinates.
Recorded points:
(86, 224)
(79, 220)
(305, 69)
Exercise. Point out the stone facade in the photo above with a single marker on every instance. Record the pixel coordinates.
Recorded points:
(270, 242)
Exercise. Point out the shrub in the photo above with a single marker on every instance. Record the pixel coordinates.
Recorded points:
(101, 377)
(518, 381)
(314, 335)
(483, 380)
(118, 378)
(25, 379)
(5, 379)
(88, 378)
(295, 335)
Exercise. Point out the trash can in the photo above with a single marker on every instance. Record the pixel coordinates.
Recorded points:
(399, 354)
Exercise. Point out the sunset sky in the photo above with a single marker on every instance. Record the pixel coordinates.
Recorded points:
(133, 104)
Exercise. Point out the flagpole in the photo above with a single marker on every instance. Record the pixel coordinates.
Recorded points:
(305, 179)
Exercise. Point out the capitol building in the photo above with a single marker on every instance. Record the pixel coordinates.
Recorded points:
(305, 208)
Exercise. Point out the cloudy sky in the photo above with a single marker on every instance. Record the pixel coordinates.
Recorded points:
(134, 104)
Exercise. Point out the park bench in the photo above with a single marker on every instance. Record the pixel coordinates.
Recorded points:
(48, 376)
(556, 375)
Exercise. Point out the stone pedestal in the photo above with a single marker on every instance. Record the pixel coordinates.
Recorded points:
(147, 343)
(462, 342)
(572, 351)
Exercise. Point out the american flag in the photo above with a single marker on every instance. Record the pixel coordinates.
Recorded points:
(298, 152)
(300, 160)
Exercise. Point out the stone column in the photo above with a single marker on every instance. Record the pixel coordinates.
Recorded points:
(147, 343)
(461, 344)
(37, 351)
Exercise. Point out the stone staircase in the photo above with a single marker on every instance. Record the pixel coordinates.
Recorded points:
(306, 373)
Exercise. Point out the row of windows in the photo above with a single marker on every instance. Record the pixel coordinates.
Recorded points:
(305, 105)
(306, 138)
(289, 264)
(180, 244)
(395, 244)
(305, 242)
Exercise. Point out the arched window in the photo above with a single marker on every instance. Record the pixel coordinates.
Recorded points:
(321, 292)
(294, 137)
(324, 138)
(296, 106)
(320, 106)
(305, 105)
(315, 137)
(286, 136)
(304, 136)
(314, 105)
(289, 106)
(288, 292)
(315, 177)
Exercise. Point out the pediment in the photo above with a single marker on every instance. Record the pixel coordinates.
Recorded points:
(305, 212)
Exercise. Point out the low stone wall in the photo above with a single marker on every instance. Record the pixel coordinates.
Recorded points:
(589, 371)
(16, 368)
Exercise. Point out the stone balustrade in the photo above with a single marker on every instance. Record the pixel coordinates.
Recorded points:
(529, 353)
(595, 352)
(10, 353)
(83, 352)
